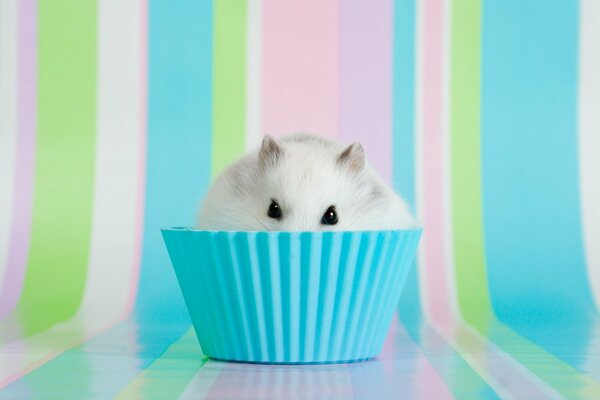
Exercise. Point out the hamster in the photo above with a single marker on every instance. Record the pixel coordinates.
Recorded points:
(302, 183)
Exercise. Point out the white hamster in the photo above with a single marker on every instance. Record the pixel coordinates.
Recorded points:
(302, 183)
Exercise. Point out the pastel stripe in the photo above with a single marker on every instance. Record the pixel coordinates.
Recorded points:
(119, 172)
(179, 100)
(229, 83)
(589, 137)
(168, 376)
(547, 170)
(300, 66)
(432, 206)
(465, 155)
(114, 252)
(253, 73)
(366, 80)
(451, 301)
(404, 132)
(8, 124)
(17, 253)
(403, 99)
(62, 205)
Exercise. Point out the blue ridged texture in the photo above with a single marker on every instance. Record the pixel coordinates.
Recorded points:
(287, 297)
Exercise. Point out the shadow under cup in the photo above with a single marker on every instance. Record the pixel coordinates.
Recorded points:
(291, 297)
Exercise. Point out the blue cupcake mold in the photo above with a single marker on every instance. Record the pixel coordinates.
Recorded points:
(291, 297)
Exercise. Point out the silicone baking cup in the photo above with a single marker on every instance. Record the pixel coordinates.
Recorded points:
(291, 297)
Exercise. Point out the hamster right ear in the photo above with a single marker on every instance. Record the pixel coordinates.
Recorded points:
(353, 156)
(270, 152)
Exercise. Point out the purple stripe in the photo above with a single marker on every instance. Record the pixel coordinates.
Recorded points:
(25, 157)
(366, 80)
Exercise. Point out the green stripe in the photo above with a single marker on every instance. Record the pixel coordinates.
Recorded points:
(64, 171)
(465, 129)
(168, 375)
(229, 90)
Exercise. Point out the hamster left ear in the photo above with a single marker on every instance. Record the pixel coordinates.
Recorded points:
(270, 152)
(353, 156)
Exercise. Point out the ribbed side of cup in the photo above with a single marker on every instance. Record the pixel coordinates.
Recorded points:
(284, 297)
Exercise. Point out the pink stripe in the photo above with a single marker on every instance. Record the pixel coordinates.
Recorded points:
(25, 157)
(432, 131)
(300, 67)
(366, 79)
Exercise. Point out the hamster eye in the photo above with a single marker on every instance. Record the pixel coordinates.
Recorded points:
(274, 210)
(330, 217)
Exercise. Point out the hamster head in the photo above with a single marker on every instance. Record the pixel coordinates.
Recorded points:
(302, 183)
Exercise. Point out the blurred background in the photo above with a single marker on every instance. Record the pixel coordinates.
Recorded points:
(116, 115)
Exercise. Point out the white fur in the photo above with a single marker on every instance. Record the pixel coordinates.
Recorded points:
(306, 180)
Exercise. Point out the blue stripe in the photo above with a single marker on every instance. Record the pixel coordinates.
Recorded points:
(177, 174)
(403, 131)
(530, 175)
(179, 127)
(403, 98)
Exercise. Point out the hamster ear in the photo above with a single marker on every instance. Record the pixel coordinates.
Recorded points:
(270, 152)
(353, 156)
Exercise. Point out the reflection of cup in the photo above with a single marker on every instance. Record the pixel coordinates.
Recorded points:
(236, 381)
(291, 297)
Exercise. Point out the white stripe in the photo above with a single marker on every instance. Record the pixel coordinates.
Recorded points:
(8, 122)
(253, 74)
(115, 226)
(589, 137)
(449, 268)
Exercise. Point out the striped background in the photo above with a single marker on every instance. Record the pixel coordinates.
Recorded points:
(115, 116)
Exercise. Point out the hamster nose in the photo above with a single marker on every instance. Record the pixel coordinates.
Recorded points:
(297, 223)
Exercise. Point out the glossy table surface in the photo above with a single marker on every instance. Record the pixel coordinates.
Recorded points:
(417, 361)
